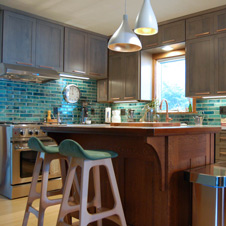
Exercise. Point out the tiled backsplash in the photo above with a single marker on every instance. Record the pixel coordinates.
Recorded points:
(20, 101)
(25, 102)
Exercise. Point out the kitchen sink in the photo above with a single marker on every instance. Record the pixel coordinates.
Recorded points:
(147, 124)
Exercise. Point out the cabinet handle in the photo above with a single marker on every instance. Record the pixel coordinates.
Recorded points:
(92, 73)
(172, 40)
(150, 45)
(206, 93)
(81, 72)
(222, 153)
(115, 98)
(43, 66)
(223, 29)
(222, 138)
(23, 63)
(126, 98)
(221, 92)
(201, 34)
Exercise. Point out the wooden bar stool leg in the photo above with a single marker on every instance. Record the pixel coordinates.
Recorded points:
(32, 193)
(97, 189)
(44, 186)
(115, 191)
(84, 216)
(65, 208)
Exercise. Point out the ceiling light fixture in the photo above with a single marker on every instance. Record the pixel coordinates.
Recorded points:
(124, 39)
(146, 23)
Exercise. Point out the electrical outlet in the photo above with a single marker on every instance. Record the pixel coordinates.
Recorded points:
(222, 110)
(92, 111)
(123, 111)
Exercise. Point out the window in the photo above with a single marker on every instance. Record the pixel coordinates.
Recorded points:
(170, 82)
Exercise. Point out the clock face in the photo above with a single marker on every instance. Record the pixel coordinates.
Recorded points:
(71, 93)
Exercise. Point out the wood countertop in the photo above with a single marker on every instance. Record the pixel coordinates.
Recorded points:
(129, 130)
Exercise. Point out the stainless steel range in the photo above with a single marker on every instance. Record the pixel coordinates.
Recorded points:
(17, 160)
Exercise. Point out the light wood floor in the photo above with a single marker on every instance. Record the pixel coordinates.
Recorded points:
(12, 212)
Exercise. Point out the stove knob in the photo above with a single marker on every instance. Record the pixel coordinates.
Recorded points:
(36, 132)
(22, 132)
(30, 132)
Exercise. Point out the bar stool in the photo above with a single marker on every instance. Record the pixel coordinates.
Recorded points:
(44, 157)
(88, 159)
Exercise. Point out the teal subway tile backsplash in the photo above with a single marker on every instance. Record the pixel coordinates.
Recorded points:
(22, 102)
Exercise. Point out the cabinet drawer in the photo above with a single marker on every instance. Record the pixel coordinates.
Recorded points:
(220, 152)
(199, 26)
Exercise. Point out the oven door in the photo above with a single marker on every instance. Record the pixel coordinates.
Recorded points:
(23, 162)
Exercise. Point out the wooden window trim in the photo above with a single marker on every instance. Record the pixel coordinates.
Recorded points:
(155, 58)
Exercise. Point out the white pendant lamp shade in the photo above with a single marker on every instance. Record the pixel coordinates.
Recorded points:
(124, 39)
(146, 23)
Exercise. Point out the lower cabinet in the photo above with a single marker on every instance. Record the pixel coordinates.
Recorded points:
(124, 76)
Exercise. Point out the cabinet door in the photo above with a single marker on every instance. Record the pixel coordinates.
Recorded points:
(200, 67)
(18, 39)
(172, 32)
(102, 90)
(220, 21)
(220, 65)
(131, 75)
(199, 26)
(97, 57)
(150, 41)
(116, 77)
(49, 45)
(75, 53)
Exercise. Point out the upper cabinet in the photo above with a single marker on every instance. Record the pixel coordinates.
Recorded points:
(168, 34)
(49, 45)
(97, 56)
(220, 21)
(18, 39)
(200, 67)
(31, 42)
(199, 26)
(85, 54)
(75, 52)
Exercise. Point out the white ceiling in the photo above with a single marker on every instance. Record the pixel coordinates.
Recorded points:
(105, 16)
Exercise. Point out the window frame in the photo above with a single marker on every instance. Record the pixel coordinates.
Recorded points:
(167, 55)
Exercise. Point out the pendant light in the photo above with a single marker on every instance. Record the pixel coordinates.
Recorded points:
(124, 39)
(146, 23)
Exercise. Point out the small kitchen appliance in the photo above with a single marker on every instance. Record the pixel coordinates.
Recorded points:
(198, 120)
(108, 115)
(116, 116)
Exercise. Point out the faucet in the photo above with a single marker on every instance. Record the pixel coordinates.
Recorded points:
(167, 113)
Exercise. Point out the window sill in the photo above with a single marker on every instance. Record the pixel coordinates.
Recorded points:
(177, 113)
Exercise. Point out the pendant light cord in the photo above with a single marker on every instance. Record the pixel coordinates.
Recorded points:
(125, 6)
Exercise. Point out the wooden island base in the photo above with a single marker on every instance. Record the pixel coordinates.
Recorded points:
(149, 168)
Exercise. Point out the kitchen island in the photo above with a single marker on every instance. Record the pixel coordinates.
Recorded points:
(149, 168)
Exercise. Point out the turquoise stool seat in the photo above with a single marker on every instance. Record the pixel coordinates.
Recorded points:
(36, 145)
(87, 160)
(71, 148)
(45, 155)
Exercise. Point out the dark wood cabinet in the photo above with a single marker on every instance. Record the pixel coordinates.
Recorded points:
(220, 65)
(18, 39)
(172, 32)
(199, 26)
(116, 81)
(102, 90)
(200, 67)
(167, 34)
(220, 21)
(49, 45)
(150, 41)
(97, 56)
(75, 53)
